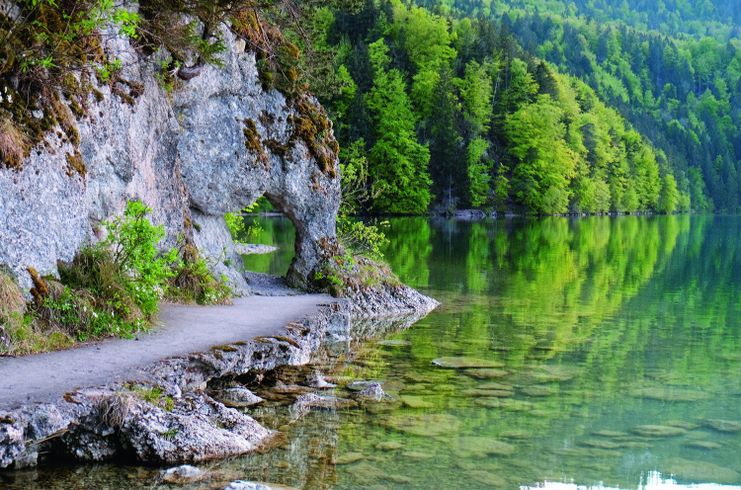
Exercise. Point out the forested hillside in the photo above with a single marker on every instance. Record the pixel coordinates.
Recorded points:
(482, 104)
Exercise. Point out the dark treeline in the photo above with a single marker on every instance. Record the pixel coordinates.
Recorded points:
(672, 68)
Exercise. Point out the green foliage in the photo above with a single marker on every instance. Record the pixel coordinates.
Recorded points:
(112, 288)
(462, 79)
(132, 240)
(361, 239)
(193, 282)
(398, 162)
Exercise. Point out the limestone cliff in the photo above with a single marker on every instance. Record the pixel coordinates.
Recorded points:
(212, 146)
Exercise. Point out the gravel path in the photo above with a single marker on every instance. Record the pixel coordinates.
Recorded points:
(183, 330)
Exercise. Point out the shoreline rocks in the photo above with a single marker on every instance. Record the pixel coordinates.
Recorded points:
(167, 416)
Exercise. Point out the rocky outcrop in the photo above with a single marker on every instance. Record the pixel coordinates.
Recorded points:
(166, 415)
(191, 155)
(178, 410)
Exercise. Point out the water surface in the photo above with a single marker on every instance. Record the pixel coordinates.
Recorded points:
(614, 347)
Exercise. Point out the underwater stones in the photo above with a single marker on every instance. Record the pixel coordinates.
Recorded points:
(682, 424)
(487, 478)
(610, 433)
(508, 404)
(349, 458)
(417, 455)
(703, 445)
(601, 444)
(394, 343)
(477, 392)
(284, 389)
(466, 363)
(423, 424)
(669, 394)
(700, 471)
(548, 373)
(237, 397)
(495, 386)
(361, 385)
(658, 431)
(482, 446)
(516, 434)
(313, 401)
(728, 426)
(400, 479)
(182, 475)
(251, 485)
(538, 390)
(316, 380)
(389, 446)
(372, 392)
(491, 373)
(412, 401)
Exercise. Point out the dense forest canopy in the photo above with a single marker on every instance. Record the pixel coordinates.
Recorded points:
(540, 106)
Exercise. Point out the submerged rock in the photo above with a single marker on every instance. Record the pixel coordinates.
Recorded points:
(412, 401)
(669, 394)
(486, 373)
(508, 404)
(487, 478)
(700, 471)
(389, 445)
(720, 425)
(481, 446)
(658, 431)
(372, 392)
(423, 424)
(466, 363)
(395, 343)
(538, 390)
(548, 373)
(703, 445)
(181, 475)
(349, 458)
(313, 401)
(251, 485)
(237, 397)
(316, 380)
(476, 392)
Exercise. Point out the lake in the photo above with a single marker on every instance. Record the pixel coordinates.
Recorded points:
(567, 354)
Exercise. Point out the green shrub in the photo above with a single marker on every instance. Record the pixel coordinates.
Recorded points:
(362, 239)
(132, 241)
(193, 282)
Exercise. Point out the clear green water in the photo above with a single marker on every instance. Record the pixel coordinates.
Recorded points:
(599, 326)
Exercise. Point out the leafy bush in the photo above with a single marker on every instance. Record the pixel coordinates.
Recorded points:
(113, 288)
(194, 283)
(361, 239)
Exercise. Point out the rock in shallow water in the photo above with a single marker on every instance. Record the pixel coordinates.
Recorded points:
(238, 397)
(658, 431)
(466, 363)
(720, 425)
(486, 373)
(251, 485)
(424, 424)
(181, 475)
(700, 471)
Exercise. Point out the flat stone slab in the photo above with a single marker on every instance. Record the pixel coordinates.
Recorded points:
(184, 330)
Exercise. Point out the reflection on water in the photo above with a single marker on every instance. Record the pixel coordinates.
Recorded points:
(612, 352)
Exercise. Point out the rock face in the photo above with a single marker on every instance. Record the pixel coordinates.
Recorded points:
(191, 156)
